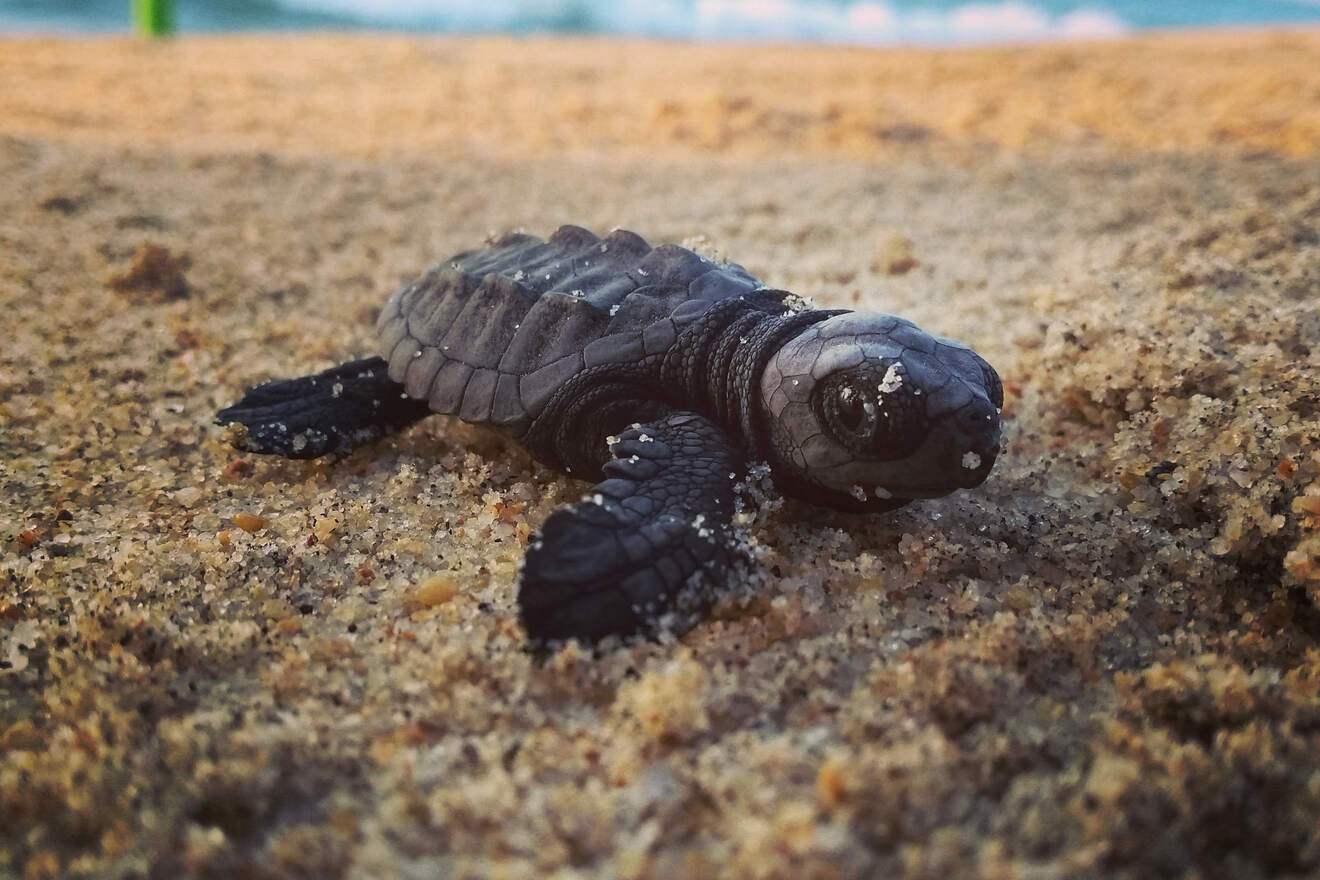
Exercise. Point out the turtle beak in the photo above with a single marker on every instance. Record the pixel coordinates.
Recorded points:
(978, 442)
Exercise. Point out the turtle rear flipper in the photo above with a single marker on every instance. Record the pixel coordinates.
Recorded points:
(331, 411)
(647, 546)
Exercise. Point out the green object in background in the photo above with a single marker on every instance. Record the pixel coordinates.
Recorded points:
(153, 18)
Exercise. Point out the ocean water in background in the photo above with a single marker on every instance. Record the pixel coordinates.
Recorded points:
(871, 22)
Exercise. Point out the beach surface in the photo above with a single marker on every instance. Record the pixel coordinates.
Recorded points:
(1102, 663)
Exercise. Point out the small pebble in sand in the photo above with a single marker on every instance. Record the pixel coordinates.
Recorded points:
(249, 522)
(154, 275)
(830, 787)
(894, 254)
(236, 469)
(325, 528)
(435, 590)
(189, 496)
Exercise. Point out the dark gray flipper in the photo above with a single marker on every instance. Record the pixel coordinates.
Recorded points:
(654, 537)
(329, 412)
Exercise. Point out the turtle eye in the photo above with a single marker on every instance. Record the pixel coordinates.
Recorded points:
(852, 416)
(872, 413)
(851, 409)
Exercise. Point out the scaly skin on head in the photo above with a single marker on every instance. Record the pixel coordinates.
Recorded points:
(867, 412)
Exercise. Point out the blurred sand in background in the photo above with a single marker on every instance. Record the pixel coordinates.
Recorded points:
(374, 96)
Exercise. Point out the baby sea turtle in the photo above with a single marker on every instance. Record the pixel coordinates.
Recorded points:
(661, 374)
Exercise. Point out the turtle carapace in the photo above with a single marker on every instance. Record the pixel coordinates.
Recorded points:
(661, 375)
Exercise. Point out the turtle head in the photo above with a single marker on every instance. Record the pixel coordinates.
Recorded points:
(867, 412)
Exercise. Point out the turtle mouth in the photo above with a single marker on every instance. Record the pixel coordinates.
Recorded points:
(965, 470)
(948, 466)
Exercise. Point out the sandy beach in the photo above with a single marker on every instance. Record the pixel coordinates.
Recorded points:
(1104, 663)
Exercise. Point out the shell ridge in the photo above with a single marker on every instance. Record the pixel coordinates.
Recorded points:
(524, 304)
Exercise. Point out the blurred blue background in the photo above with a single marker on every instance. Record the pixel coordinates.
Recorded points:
(874, 22)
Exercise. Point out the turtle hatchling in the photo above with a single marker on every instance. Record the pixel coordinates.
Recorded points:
(662, 376)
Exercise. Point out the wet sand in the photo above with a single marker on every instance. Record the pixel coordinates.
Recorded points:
(1103, 663)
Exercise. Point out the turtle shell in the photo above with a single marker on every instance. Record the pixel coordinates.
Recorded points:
(488, 335)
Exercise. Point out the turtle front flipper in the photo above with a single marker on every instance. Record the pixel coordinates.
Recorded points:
(647, 547)
(332, 411)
